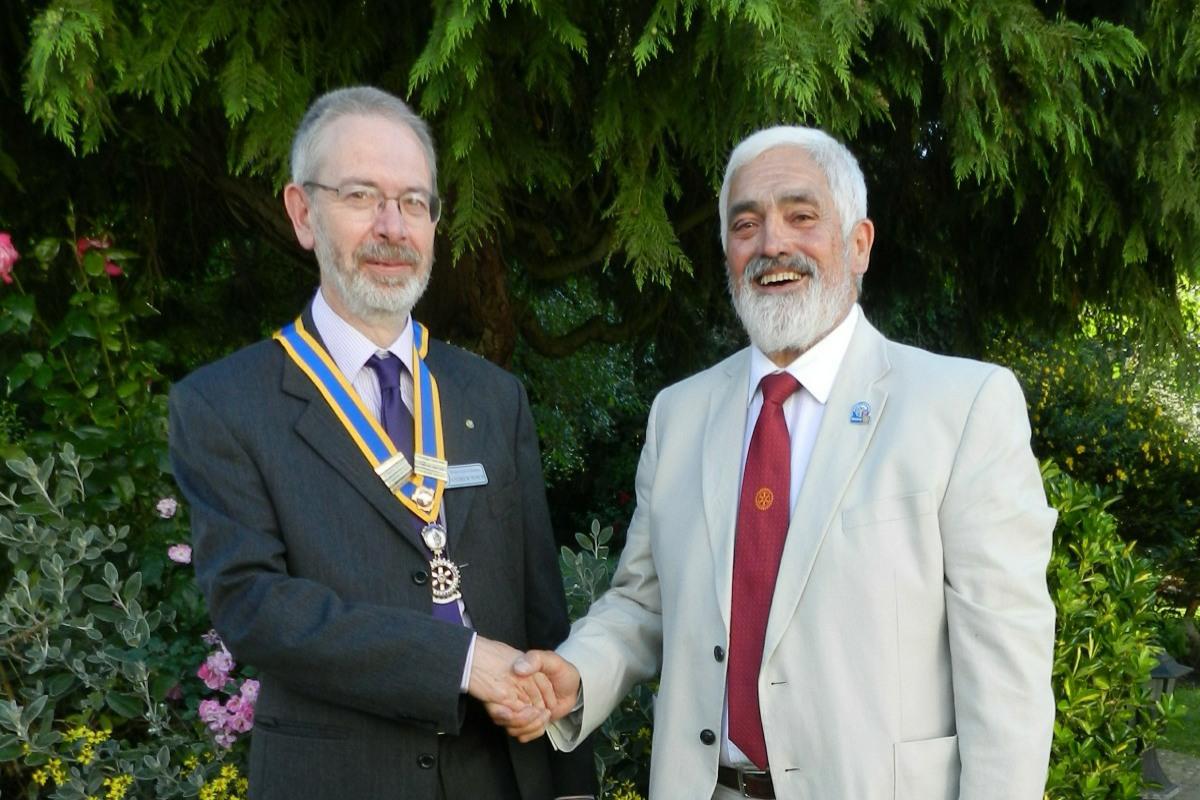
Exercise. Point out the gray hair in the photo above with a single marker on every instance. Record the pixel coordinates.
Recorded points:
(364, 101)
(846, 182)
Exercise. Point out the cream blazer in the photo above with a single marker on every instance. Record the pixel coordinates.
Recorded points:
(909, 644)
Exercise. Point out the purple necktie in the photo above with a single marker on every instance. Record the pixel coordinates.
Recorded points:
(397, 421)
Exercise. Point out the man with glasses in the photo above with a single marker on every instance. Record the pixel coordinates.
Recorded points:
(369, 519)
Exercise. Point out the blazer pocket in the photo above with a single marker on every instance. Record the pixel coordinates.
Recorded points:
(302, 730)
(927, 769)
(890, 508)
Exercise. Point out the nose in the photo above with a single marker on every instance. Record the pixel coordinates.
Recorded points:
(777, 239)
(390, 225)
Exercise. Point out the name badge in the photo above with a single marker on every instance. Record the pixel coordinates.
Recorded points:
(463, 475)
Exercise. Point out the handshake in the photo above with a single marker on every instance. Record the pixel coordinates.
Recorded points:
(522, 692)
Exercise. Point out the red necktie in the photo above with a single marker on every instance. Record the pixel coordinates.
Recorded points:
(762, 523)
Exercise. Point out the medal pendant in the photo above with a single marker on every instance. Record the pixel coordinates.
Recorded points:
(445, 579)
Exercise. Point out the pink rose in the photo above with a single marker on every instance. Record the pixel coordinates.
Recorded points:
(8, 257)
(211, 713)
(180, 553)
(216, 668)
(112, 269)
(166, 507)
(84, 244)
(250, 690)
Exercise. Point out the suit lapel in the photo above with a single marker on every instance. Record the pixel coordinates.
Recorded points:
(839, 448)
(721, 463)
(323, 432)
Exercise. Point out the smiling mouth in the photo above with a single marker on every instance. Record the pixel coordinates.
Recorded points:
(774, 278)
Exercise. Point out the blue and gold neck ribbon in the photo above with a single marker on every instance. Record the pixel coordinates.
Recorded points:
(418, 486)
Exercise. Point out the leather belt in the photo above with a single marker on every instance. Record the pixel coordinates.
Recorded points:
(749, 782)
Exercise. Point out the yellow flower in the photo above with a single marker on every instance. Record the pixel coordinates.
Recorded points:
(117, 786)
(1121, 475)
(1080, 449)
(1070, 462)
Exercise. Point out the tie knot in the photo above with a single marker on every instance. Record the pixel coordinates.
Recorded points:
(388, 369)
(778, 386)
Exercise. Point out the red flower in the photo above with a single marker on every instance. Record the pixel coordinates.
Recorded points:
(87, 243)
(112, 269)
(8, 257)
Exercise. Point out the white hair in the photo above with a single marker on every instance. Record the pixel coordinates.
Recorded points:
(846, 182)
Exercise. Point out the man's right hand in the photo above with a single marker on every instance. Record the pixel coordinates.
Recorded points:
(559, 682)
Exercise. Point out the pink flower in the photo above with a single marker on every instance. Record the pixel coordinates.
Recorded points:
(211, 712)
(250, 690)
(84, 244)
(112, 269)
(216, 668)
(8, 257)
(166, 507)
(180, 553)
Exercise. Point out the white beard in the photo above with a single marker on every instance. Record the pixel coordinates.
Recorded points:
(367, 297)
(794, 320)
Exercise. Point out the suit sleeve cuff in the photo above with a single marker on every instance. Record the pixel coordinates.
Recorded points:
(465, 683)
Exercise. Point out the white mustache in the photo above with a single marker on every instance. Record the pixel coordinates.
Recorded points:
(799, 263)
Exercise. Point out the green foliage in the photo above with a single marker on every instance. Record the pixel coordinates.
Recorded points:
(622, 745)
(91, 650)
(1104, 651)
(1183, 733)
(588, 139)
(1104, 412)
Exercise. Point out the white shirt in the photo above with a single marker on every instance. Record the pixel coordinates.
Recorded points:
(815, 369)
(351, 350)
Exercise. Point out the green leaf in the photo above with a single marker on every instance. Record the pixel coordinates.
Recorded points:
(124, 705)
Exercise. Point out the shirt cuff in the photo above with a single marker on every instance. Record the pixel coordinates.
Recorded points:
(465, 683)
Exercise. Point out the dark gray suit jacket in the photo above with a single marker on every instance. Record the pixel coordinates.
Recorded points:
(315, 574)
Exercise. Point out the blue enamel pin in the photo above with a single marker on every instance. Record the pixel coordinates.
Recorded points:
(860, 413)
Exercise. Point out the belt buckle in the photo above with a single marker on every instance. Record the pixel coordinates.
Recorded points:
(753, 773)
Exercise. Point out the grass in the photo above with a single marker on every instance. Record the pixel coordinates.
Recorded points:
(1183, 734)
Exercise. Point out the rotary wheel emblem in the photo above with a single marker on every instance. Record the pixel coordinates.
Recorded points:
(444, 580)
(763, 499)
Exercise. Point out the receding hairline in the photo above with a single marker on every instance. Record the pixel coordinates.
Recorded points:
(321, 135)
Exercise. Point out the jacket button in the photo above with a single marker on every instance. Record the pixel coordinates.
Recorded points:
(719, 653)
(425, 761)
(420, 577)
(707, 736)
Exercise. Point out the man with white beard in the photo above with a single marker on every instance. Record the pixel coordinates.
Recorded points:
(369, 520)
(837, 560)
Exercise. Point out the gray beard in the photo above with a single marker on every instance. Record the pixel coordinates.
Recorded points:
(368, 298)
(796, 320)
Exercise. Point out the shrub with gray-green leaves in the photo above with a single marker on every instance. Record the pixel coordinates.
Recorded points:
(95, 701)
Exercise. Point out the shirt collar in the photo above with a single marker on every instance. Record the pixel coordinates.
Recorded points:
(816, 367)
(348, 347)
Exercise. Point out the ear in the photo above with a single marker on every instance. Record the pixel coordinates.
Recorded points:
(862, 236)
(296, 201)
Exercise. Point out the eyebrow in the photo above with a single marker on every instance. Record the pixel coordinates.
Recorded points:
(375, 185)
(791, 197)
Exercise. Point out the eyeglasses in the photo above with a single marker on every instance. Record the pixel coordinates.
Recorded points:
(363, 199)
